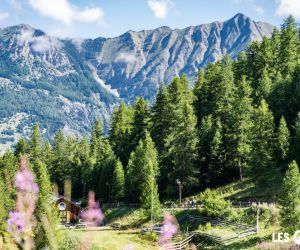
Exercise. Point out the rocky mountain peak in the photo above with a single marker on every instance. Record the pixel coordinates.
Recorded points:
(65, 83)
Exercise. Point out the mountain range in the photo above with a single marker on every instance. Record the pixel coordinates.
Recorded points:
(66, 83)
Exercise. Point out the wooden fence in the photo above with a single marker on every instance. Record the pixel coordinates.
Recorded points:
(242, 230)
(178, 245)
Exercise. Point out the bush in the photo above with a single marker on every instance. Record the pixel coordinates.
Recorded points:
(205, 227)
(216, 206)
(151, 236)
(71, 241)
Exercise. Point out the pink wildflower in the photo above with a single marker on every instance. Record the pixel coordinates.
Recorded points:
(169, 229)
(93, 214)
(16, 221)
(21, 221)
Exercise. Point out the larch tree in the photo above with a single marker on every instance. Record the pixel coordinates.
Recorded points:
(288, 52)
(96, 139)
(263, 139)
(120, 132)
(21, 147)
(290, 199)
(118, 182)
(142, 173)
(35, 142)
(282, 144)
(240, 127)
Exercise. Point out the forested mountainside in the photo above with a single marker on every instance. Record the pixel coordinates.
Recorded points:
(65, 83)
(241, 120)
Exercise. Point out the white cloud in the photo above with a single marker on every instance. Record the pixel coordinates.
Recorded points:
(66, 12)
(258, 9)
(15, 4)
(160, 8)
(3, 15)
(126, 57)
(288, 7)
(39, 43)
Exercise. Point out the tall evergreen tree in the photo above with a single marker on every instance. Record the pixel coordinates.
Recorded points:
(103, 172)
(45, 230)
(290, 199)
(182, 147)
(35, 142)
(120, 132)
(216, 156)
(205, 133)
(264, 86)
(96, 138)
(262, 153)
(282, 143)
(288, 46)
(159, 121)
(21, 147)
(118, 182)
(297, 139)
(140, 122)
(58, 167)
(142, 172)
(47, 153)
(239, 132)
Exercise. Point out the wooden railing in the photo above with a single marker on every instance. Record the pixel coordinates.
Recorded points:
(243, 230)
(178, 245)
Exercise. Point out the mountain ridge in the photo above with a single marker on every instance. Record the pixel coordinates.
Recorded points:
(65, 83)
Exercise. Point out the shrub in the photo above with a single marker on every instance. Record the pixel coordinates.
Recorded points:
(216, 206)
(151, 236)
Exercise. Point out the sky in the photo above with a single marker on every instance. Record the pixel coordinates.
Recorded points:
(109, 18)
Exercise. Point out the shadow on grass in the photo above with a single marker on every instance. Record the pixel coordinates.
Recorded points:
(134, 218)
(111, 215)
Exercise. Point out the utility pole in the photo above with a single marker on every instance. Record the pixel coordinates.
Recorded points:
(180, 189)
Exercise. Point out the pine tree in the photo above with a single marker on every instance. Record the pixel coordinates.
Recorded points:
(205, 132)
(120, 132)
(142, 172)
(140, 122)
(149, 195)
(160, 126)
(35, 142)
(290, 199)
(264, 87)
(159, 123)
(103, 172)
(82, 168)
(182, 147)
(21, 147)
(254, 63)
(239, 132)
(288, 46)
(291, 100)
(58, 168)
(118, 182)
(96, 138)
(47, 153)
(275, 43)
(297, 139)
(240, 66)
(3, 210)
(216, 156)
(282, 143)
(262, 153)
(45, 230)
